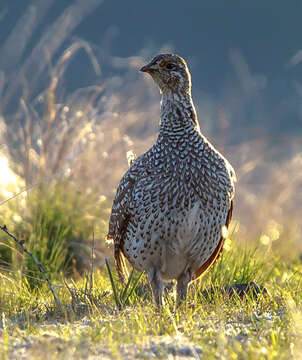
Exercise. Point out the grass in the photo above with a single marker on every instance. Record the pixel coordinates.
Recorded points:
(68, 151)
(55, 224)
(125, 323)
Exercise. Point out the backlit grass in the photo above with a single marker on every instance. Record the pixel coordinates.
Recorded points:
(63, 153)
(90, 324)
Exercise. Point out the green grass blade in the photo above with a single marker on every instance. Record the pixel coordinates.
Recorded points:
(117, 302)
(133, 288)
(124, 293)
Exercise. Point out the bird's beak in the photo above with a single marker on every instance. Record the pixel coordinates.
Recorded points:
(148, 68)
(144, 69)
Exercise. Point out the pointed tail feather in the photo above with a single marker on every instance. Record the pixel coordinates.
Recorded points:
(120, 263)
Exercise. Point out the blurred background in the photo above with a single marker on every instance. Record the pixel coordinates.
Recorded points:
(72, 104)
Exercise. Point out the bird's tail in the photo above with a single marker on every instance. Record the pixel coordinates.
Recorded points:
(120, 264)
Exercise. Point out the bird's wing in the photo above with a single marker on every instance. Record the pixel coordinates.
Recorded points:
(120, 216)
(229, 178)
(121, 212)
(233, 179)
(212, 259)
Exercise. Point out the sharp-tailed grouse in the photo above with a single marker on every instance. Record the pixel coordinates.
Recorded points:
(173, 204)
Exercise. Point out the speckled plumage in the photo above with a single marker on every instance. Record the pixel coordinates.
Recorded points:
(172, 203)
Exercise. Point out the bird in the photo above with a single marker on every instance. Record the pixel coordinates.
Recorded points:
(174, 204)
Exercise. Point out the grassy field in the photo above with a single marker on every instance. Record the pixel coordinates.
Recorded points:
(63, 153)
(92, 323)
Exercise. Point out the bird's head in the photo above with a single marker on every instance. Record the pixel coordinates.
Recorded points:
(170, 72)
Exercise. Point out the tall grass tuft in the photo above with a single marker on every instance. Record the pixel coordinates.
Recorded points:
(123, 295)
(56, 226)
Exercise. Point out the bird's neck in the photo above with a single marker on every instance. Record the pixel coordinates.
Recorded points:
(178, 115)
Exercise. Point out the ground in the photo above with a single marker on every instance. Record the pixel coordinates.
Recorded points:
(112, 321)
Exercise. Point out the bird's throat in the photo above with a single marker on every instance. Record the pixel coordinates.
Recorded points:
(177, 114)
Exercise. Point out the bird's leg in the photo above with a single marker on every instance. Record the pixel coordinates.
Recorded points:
(182, 286)
(157, 285)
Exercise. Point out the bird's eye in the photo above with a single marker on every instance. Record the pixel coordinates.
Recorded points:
(170, 66)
